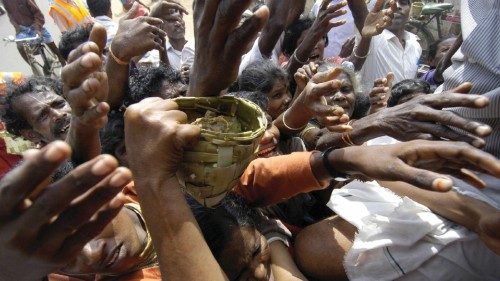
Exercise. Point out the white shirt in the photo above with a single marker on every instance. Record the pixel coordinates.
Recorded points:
(110, 26)
(254, 54)
(338, 35)
(176, 58)
(388, 55)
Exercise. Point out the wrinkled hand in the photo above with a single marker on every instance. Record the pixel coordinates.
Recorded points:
(423, 117)
(418, 162)
(220, 43)
(136, 36)
(380, 93)
(165, 8)
(295, 8)
(303, 75)
(323, 22)
(378, 19)
(156, 135)
(85, 84)
(40, 236)
(312, 100)
(347, 47)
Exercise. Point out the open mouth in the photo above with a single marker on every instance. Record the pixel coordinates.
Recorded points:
(314, 57)
(64, 129)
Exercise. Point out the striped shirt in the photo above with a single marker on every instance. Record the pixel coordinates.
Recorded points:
(479, 63)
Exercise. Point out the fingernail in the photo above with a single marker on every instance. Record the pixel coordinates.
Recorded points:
(482, 101)
(117, 201)
(119, 180)
(442, 184)
(102, 167)
(54, 154)
(478, 143)
(483, 130)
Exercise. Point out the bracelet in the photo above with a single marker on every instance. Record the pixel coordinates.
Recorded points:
(117, 60)
(288, 127)
(356, 55)
(336, 175)
(296, 58)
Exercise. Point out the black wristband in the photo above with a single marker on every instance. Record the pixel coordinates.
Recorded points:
(336, 175)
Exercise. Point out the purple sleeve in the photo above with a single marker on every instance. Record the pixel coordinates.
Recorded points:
(429, 77)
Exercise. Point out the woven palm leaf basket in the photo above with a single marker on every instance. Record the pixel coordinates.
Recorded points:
(231, 129)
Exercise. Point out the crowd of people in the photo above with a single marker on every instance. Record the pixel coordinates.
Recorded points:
(368, 169)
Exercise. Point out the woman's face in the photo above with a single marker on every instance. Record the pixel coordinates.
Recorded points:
(247, 256)
(279, 98)
(345, 96)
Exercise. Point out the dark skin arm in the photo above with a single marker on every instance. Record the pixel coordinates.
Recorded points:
(45, 235)
(419, 118)
(85, 84)
(135, 37)
(446, 61)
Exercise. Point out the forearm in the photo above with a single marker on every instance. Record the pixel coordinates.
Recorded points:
(118, 82)
(303, 51)
(271, 34)
(461, 209)
(360, 53)
(359, 12)
(182, 251)
(84, 141)
(295, 118)
(282, 264)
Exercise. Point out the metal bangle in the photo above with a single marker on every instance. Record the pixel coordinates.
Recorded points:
(359, 57)
(116, 59)
(288, 127)
(339, 176)
(297, 59)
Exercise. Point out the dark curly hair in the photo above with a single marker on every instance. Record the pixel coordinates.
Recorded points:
(293, 33)
(99, 7)
(407, 87)
(259, 98)
(73, 38)
(34, 84)
(114, 132)
(146, 82)
(260, 76)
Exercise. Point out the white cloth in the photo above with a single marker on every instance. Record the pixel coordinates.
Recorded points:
(255, 55)
(338, 35)
(110, 26)
(174, 56)
(400, 238)
(388, 55)
(187, 56)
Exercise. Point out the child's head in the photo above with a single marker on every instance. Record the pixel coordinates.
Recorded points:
(407, 90)
(438, 49)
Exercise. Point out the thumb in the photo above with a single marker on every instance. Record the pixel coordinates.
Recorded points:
(390, 77)
(326, 75)
(98, 36)
(132, 12)
(188, 135)
(321, 89)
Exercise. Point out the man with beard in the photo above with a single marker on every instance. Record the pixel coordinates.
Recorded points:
(394, 50)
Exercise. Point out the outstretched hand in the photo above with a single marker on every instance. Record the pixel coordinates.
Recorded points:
(380, 93)
(378, 19)
(156, 135)
(41, 233)
(166, 8)
(220, 43)
(420, 162)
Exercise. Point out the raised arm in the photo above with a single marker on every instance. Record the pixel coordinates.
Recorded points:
(182, 251)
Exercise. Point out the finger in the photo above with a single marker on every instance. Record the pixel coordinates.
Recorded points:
(158, 32)
(326, 75)
(131, 13)
(73, 245)
(336, 7)
(101, 93)
(188, 135)
(152, 21)
(98, 36)
(308, 71)
(80, 98)
(377, 91)
(324, 4)
(19, 183)
(393, 6)
(74, 73)
(463, 88)
(82, 49)
(313, 67)
(321, 89)
(336, 23)
(82, 211)
(97, 116)
(240, 39)
(422, 178)
(449, 99)
(389, 79)
(378, 6)
(466, 176)
(335, 14)
(443, 132)
(176, 116)
(449, 118)
(58, 196)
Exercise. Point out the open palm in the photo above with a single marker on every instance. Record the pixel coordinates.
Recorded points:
(378, 19)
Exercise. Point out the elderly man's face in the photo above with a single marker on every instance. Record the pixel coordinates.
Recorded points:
(47, 113)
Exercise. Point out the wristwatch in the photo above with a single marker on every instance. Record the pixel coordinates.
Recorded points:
(336, 175)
